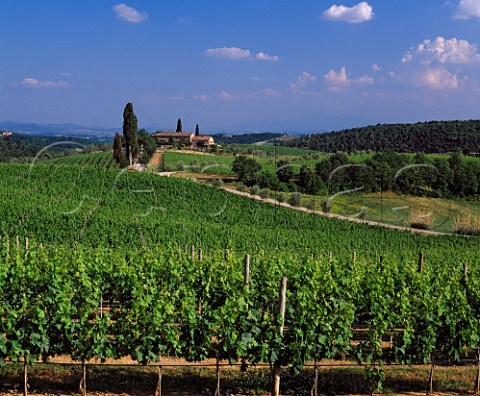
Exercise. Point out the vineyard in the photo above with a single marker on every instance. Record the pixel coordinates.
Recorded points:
(99, 263)
(97, 159)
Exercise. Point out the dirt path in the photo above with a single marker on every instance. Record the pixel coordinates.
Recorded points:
(336, 216)
(156, 160)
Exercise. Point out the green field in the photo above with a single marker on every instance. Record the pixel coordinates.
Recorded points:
(222, 164)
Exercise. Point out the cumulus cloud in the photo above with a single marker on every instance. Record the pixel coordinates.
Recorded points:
(467, 9)
(444, 51)
(238, 53)
(302, 81)
(129, 14)
(358, 13)
(227, 53)
(267, 57)
(337, 79)
(376, 68)
(34, 83)
(438, 78)
(340, 80)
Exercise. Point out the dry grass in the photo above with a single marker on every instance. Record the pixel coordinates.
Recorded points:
(469, 225)
(421, 219)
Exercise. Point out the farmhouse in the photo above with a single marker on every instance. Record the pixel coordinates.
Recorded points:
(188, 139)
(5, 134)
(203, 141)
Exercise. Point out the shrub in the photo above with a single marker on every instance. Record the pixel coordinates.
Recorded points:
(326, 205)
(362, 213)
(194, 165)
(217, 183)
(264, 193)
(241, 187)
(421, 219)
(280, 197)
(311, 204)
(295, 199)
(180, 166)
(255, 190)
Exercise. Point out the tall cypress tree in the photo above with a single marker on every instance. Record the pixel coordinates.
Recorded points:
(179, 125)
(117, 149)
(130, 124)
(197, 131)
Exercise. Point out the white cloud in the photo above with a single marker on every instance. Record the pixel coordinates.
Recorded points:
(267, 57)
(365, 80)
(376, 68)
(129, 14)
(302, 81)
(227, 53)
(202, 97)
(444, 51)
(438, 78)
(340, 80)
(34, 83)
(467, 9)
(224, 95)
(358, 13)
(269, 92)
(337, 79)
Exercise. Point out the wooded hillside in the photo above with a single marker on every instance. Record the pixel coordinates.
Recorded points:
(427, 137)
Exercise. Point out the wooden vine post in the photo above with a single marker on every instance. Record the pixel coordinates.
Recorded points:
(160, 374)
(192, 253)
(477, 379)
(281, 309)
(246, 275)
(430, 378)
(25, 376)
(421, 256)
(200, 255)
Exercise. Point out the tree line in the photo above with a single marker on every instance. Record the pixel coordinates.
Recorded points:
(427, 137)
(420, 175)
(22, 148)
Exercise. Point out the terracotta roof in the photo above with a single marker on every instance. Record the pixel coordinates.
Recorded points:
(202, 138)
(168, 134)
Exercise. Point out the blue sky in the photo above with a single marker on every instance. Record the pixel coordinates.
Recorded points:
(240, 65)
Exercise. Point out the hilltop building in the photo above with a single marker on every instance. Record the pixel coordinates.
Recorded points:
(188, 139)
(6, 133)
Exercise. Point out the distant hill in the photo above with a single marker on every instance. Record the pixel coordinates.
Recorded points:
(22, 148)
(427, 137)
(246, 138)
(71, 130)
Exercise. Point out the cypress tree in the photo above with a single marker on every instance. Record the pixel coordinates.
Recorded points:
(179, 125)
(197, 131)
(130, 124)
(117, 149)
